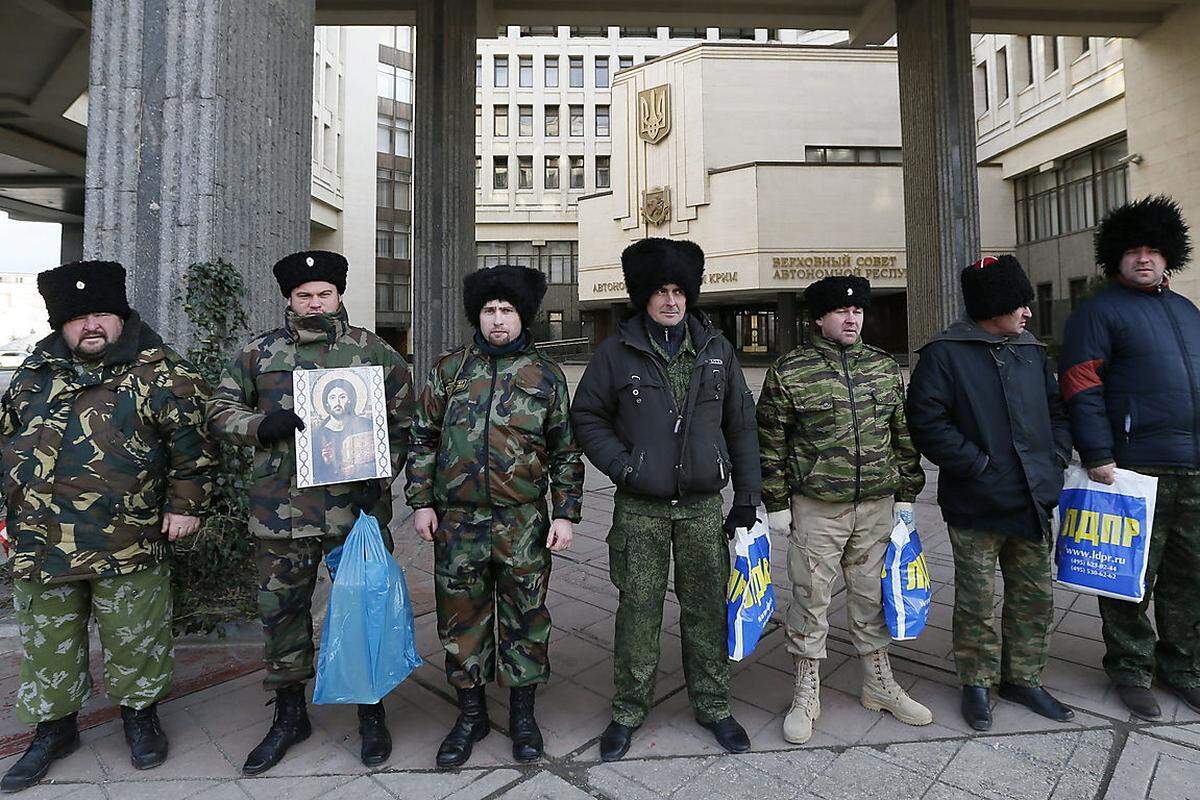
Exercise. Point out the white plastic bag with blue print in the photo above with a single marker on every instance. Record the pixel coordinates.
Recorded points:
(750, 598)
(907, 590)
(1102, 533)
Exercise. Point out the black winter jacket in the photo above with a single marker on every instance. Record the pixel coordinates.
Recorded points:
(625, 417)
(1130, 374)
(987, 411)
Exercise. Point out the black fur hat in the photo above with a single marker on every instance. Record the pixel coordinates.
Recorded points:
(993, 287)
(1150, 222)
(522, 286)
(650, 264)
(83, 287)
(837, 291)
(311, 265)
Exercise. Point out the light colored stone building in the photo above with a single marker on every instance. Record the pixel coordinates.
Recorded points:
(784, 164)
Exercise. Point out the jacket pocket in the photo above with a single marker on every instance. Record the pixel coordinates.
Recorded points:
(712, 383)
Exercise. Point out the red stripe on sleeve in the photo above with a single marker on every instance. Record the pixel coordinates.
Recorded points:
(1081, 377)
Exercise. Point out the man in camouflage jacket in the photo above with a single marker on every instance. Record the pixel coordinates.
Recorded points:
(296, 528)
(492, 433)
(839, 471)
(106, 460)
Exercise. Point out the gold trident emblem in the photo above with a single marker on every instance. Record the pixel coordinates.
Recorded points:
(654, 113)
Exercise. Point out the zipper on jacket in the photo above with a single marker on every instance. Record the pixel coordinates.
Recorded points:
(1191, 373)
(487, 435)
(720, 463)
(854, 422)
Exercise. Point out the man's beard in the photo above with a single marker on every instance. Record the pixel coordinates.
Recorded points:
(93, 355)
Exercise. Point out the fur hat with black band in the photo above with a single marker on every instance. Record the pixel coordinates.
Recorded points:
(83, 287)
(311, 265)
(522, 286)
(1150, 222)
(649, 264)
(837, 291)
(993, 287)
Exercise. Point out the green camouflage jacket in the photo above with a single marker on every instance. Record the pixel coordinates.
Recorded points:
(494, 432)
(94, 454)
(259, 381)
(831, 426)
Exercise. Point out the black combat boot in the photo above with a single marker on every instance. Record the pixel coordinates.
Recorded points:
(291, 726)
(522, 727)
(147, 742)
(471, 726)
(376, 741)
(52, 740)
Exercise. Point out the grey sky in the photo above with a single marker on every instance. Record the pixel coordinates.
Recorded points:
(28, 246)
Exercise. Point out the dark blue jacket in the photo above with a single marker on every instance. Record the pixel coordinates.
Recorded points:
(1130, 373)
(986, 409)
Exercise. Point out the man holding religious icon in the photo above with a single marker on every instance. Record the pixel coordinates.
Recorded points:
(296, 527)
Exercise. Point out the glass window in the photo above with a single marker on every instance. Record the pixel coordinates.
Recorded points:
(555, 319)
(525, 120)
(550, 179)
(552, 121)
(576, 172)
(589, 31)
(576, 71)
(551, 72)
(402, 191)
(1050, 53)
(478, 71)
(889, 155)
(500, 71)
(688, 33)
(478, 170)
(539, 30)
(981, 87)
(404, 86)
(500, 121)
(1076, 288)
(385, 81)
(478, 121)
(525, 71)
(383, 137)
(576, 121)
(1085, 45)
(383, 188)
(736, 33)
(404, 38)
(645, 33)
(524, 172)
(840, 155)
(602, 126)
(603, 172)
(624, 62)
(1001, 75)
(402, 138)
(814, 154)
(383, 240)
(602, 76)
(1045, 309)
(500, 172)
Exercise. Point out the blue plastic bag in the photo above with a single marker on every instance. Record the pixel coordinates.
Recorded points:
(906, 587)
(367, 644)
(1102, 533)
(750, 598)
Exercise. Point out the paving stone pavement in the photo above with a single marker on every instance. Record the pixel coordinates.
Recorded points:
(854, 753)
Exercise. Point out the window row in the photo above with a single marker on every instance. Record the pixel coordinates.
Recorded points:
(551, 125)
(393, 239)
(601, 69)
(853, 155)
(551, 172)
(634, 32)
(394, 136)
(394, 83)
(1074, 196)
(393, 189)
(1019, 55)
(558, 261)
(393, 291)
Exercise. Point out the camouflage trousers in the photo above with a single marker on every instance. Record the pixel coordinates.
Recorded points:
(639, 559)
(826, 536)
(133, 614)
(1019, 655)
(490, 573)
(1173, 581)
(287, 576)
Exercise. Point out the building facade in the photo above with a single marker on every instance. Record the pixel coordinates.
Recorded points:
(784, 164)
(544, 127)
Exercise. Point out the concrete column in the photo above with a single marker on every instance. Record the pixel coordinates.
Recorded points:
(785, 322)
(199, 145)
(941, 186)
(71, 245)
(444, 178)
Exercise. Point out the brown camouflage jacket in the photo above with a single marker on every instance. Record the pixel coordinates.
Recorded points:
(495, 432)
(259, 381)
(94, 454)
(831, 426)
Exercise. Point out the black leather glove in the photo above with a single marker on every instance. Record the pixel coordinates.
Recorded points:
(365, 494)
(278, 425)
(739, 517)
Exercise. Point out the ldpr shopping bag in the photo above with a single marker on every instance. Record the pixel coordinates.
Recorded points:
(1102, 533)
(750, 599)
(367, 644)
(906, 586)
